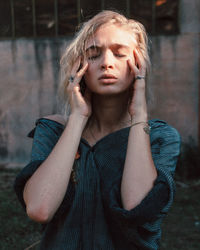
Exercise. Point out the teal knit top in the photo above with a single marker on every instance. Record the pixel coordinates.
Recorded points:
(91, 215)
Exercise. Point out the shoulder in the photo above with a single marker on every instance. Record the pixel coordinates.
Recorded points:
(51, 124)
(165, 145)
(45, 134)
(56, 118)
(162, 131)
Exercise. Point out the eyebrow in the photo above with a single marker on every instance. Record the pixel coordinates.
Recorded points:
(118, 45)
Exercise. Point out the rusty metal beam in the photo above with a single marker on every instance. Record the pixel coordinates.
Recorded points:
(153, 17)
(34, 18)
(12, 18)
(102, 4)
(56, 16)
(199, 103)
(128, 8)
(79, 11)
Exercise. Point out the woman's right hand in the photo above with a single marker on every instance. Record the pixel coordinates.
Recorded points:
(80, 105)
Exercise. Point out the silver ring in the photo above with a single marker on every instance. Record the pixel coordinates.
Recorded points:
(71, 79)
(139, 77)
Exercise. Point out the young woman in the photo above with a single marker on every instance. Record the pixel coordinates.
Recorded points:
(102, 178)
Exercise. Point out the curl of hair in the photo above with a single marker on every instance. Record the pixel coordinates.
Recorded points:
(77, 48)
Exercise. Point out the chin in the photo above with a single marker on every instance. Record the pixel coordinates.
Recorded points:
(110, 91)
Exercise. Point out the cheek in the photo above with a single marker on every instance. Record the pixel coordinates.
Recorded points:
(89, 75)
(90, 70)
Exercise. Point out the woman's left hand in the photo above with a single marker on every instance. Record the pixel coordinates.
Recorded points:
(137, 105)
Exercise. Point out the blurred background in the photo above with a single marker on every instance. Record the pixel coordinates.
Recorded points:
(33, 36)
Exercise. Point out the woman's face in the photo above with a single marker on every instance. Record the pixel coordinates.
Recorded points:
(107, 54)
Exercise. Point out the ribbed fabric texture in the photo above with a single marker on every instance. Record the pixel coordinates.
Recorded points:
(91, 216)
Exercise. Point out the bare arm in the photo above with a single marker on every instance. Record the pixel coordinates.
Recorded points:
(45, 190)
(139, 171)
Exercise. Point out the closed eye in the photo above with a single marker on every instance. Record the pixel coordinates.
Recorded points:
(93, 57)
(119, 55)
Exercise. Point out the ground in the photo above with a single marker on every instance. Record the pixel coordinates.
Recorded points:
(181, 228)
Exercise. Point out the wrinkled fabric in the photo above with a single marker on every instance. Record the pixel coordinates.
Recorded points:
(91, 216)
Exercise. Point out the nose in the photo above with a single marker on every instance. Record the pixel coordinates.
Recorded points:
(107, 60)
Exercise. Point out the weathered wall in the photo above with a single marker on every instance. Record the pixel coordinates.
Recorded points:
(175, 82)
(29, 75)
(29, 80)
(175, 78)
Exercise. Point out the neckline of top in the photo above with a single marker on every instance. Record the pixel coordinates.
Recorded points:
(84, 140)
(104, 137)
(150, 122)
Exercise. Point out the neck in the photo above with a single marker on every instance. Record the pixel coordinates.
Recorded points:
(109, 113)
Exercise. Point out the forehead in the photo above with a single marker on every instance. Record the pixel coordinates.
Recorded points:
(109, 34)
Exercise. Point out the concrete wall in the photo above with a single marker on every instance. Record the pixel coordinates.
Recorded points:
(175, 78)
(29, 75)
(29, 80)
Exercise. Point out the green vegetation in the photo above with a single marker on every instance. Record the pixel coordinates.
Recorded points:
(181, 228)
(17, 232)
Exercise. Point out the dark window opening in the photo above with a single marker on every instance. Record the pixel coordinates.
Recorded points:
(52, 18)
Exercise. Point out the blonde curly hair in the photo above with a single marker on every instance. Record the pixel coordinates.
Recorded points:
(77, 47)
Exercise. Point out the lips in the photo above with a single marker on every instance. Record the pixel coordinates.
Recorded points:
(107, 76)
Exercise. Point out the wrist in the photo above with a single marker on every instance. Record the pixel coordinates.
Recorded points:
(145, 125)
(140, 117)
(78, 119)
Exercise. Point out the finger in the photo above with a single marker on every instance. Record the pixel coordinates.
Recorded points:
(83, 69)
(76, 66)
(79, 75)
(70, 87)
(140, 59)
(130, 64)
(134, 70)
(77, 90)
(137, 58)
(76, 78)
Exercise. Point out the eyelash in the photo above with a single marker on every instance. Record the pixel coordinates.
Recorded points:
(94, 57)
(119, 55)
